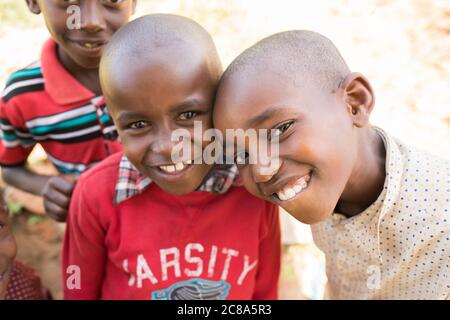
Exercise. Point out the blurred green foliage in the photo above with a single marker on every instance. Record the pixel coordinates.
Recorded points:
(35, 219)
(15, 208)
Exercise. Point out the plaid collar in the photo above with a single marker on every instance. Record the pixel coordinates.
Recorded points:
(131, 182)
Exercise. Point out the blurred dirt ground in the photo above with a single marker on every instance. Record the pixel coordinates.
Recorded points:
(402, 46)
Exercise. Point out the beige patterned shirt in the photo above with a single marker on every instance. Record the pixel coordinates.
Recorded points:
(399, 247)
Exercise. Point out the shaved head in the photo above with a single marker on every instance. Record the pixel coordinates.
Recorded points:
(298, 84)
(158, 74)
(303, 57)
(157, 39)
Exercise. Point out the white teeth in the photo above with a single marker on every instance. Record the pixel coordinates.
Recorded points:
(281, 195)
(90, 45)
(288, 193)
(188, 162)
(179, 166)
(170, 169)
(298, 188)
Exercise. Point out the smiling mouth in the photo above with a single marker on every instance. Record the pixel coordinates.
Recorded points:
(92, 45)
(175, 168)
(292, 190)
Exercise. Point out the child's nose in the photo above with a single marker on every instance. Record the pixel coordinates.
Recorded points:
(163, 145)
(91, 16)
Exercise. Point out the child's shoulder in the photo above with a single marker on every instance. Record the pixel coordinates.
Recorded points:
(424, 165)
(103, 174)
(107, 168)
(28, 79)
(425, 182)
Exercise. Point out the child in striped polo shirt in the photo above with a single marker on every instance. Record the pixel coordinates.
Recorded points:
(54, 102)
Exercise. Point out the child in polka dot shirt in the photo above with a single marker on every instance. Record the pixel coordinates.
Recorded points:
(17, 281)
(378, 209)
(398, 247)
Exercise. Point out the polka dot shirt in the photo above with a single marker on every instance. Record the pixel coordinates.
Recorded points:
(25, 285)
(399, 247)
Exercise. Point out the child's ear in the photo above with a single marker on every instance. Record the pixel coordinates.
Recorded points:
(33, 6)
(359, 98)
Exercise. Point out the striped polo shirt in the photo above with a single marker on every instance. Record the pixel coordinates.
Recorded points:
(45, 104)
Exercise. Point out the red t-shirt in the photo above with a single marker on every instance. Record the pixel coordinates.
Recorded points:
(45, 104)
(159, 246)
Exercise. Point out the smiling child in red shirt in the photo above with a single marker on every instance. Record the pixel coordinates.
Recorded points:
(143, 227)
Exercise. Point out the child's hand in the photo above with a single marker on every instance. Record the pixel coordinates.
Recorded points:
(57, 193)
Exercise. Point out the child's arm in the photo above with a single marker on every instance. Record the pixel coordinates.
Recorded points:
(266, 286)
(84, 253)
(56, 190)
(16, 144)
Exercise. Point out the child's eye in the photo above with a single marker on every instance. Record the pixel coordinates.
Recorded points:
(112, 2)
(138, 125)
(241, 158)
(187, 115)
(282, 128)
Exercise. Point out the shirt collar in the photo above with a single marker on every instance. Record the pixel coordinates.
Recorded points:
(392, 182)
(394, 171)
(372, 217)
(62, 86)
(131, 182)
